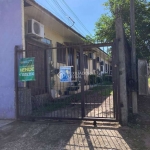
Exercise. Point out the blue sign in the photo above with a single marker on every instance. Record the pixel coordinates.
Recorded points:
(65, 74)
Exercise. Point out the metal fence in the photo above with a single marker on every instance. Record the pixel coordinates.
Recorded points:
(91, 94)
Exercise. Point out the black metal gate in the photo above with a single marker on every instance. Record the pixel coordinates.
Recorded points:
(92, 93)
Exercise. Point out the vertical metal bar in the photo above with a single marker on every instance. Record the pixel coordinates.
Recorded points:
(16, 81)
(48, 55)
(114, 78)
(82, 83)
(50, 76)
(105, 101)
(59, 89)
(115, 75)
(58, 49)
(109, 104)
(46, 70)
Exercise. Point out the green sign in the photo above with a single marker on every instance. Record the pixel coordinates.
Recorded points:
(26, 69)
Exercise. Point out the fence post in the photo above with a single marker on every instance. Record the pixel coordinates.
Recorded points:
(142, 77)
(48, 57)
(115, 78)
(133, 55)
(122, 70)
(16, 82)
(82, 82)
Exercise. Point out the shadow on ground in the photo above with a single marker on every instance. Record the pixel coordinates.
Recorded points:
(50, 135)
(144, 109)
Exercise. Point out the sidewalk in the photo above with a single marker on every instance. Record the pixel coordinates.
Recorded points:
(5, 122)
(48, 135)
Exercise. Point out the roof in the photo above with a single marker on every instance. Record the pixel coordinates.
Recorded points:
(29, 3)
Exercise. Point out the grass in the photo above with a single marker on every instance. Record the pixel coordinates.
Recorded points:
(106, 92)
(103, 90)
(57, 104)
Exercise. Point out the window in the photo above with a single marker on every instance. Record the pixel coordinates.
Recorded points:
(46, 41)
(98, 59)
(86, 61)
(101, 67)
(94, 64)
(101, 63)
(71, 61)
(110, 69)
(106, 68)
(78, 61)
(70, 57)
(61, 53)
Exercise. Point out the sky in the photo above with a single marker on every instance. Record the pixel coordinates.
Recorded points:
(81, 15)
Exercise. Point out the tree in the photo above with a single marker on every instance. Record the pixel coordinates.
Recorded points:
(105, 26)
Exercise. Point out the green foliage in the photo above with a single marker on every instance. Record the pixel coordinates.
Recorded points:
(104, 80)
(89, 39)
(107, 83)
(107, 78)
(52, 83)
(92, 79)
(98, 80)
(105, 26)
(106, 92)
(103, 90)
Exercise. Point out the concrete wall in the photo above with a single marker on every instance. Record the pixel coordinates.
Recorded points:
(122, 71)
(142, 77)
(10, 35)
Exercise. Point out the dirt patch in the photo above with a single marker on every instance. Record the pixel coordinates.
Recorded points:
(137, 136)
(144, 109)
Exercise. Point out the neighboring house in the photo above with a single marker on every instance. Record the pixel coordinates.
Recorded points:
(26, 16)
(58, 34)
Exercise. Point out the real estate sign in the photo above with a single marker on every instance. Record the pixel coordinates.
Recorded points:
(65, 74)
(26, 69)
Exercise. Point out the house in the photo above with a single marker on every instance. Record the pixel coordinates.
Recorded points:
(29, 25)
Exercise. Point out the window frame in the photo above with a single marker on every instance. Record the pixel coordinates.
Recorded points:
(85, 61)
(94, 64)
(61, 53)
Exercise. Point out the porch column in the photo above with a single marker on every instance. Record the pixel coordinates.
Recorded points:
(11, 34)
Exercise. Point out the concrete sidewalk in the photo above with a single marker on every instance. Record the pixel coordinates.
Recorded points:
(5, 122)
(54, 135)
(61, 136)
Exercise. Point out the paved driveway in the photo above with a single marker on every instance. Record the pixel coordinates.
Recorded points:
(44, 135)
